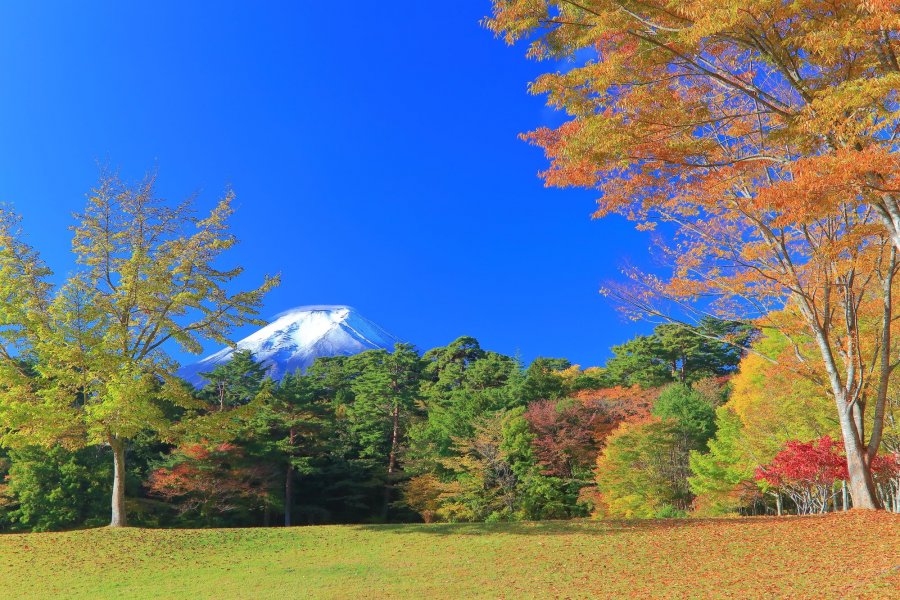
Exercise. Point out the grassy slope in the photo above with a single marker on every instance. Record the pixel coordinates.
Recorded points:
(849, 555)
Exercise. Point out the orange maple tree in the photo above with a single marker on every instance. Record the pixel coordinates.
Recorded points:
(763, 136)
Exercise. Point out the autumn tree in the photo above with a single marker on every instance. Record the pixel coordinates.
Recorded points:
(765, 145)
(210, 480)
(564, 440)
(807, 472)
(495, 478)
(148, 276)
(643, 470)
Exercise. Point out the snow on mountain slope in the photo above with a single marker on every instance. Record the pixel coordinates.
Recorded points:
(297, 337)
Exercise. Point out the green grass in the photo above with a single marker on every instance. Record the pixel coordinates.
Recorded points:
(838, 556)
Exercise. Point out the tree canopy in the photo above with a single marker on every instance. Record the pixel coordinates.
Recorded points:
(147, 274)
(765, 144)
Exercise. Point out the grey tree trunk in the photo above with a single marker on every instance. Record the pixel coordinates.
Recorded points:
(118, 490)
(862, 486)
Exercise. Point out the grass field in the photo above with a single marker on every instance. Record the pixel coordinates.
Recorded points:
(836, 556)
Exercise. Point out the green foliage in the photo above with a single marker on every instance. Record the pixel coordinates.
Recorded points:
(235, 382)
(53, 489)
(677, 352)
(462, 384)
(494, 477)
(692, 412)
(147, 274)
(643, 470)
(719, 474)
(385, 393)
(670, 512)
(542, 380)
(640, 361)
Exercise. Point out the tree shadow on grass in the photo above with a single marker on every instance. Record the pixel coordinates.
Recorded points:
(571, 527)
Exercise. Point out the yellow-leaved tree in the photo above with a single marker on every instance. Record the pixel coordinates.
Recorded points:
(86, 362)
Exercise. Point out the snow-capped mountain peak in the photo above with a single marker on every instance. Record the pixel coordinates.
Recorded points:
(296, 337)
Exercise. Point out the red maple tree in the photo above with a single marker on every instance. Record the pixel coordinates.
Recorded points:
(807, 472)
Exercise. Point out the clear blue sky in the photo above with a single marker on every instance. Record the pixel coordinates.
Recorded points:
(372, 146)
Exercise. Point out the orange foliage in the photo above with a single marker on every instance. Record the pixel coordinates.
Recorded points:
(763, 135)
(209, 480)
(619, 404)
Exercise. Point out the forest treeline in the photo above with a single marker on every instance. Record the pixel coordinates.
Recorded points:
(794, 410)
(676, 423)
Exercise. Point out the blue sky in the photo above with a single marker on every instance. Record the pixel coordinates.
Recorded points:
(372, 147)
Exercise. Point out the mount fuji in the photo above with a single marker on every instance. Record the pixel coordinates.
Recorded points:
(297, 337)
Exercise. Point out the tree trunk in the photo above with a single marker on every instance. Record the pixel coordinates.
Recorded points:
(778, 505)
(288, 494)
(392, 459)
(845, 496)
(118, 490)
(289, 479)
(850, 405)
(862, 486)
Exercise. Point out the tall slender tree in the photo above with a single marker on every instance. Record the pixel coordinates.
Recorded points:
(147, 275)
(385, 398)
(767, 142)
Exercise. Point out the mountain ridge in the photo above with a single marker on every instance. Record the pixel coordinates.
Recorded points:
(296, 337)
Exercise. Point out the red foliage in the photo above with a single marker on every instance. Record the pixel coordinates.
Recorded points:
(886, 467)
(209, 479)
(564, 435)
(807, 473)
(569, 434)
(819, 462)
(621, 402)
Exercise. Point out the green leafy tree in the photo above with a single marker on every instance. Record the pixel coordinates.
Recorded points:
(644, 469)
(693, 414)
(495, 478)
(642, 472)
(288, 428)
(722, 477)
(148, 275)
(543, 380)
(462, 384)
(640, 361)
